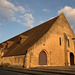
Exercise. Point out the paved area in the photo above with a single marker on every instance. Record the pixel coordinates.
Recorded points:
(39, 71)
(10, 73)
(14, 73)
(57, 68)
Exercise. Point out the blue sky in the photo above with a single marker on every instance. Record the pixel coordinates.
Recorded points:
(17, 16)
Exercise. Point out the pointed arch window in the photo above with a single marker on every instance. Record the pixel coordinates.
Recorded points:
(60, 41)
(68, 43)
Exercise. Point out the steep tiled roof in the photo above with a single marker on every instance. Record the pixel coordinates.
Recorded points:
(33, 35)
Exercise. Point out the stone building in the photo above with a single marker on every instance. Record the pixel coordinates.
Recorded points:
(48, 44)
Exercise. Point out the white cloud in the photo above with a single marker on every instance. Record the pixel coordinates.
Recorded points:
(4, 4)
(45, 10)
(9, 13)
(21, 9)
(0, 24)
(7, 8)
(69, 13)
(13, 19)
(19, 21)
(29, 20)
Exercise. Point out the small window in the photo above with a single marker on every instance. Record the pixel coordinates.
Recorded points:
(68, 43)
(60, 40)
(43, 44)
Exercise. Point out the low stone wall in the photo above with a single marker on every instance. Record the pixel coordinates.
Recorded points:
(13, 61)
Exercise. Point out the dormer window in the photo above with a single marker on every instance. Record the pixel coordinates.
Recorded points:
(23, 38)
(9, 44)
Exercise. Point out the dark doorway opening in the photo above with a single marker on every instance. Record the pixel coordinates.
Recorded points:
(71, 58)
(42, 58)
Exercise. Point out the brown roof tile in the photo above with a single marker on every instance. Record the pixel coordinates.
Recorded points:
(33, 35)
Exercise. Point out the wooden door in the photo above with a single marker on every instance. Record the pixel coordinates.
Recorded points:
(71, 58)
(42, 58)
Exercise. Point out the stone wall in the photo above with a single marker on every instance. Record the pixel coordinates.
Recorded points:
(14, 61)
(56, 53)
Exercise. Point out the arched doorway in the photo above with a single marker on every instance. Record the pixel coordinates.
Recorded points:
(71, 58)
(42, 58)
